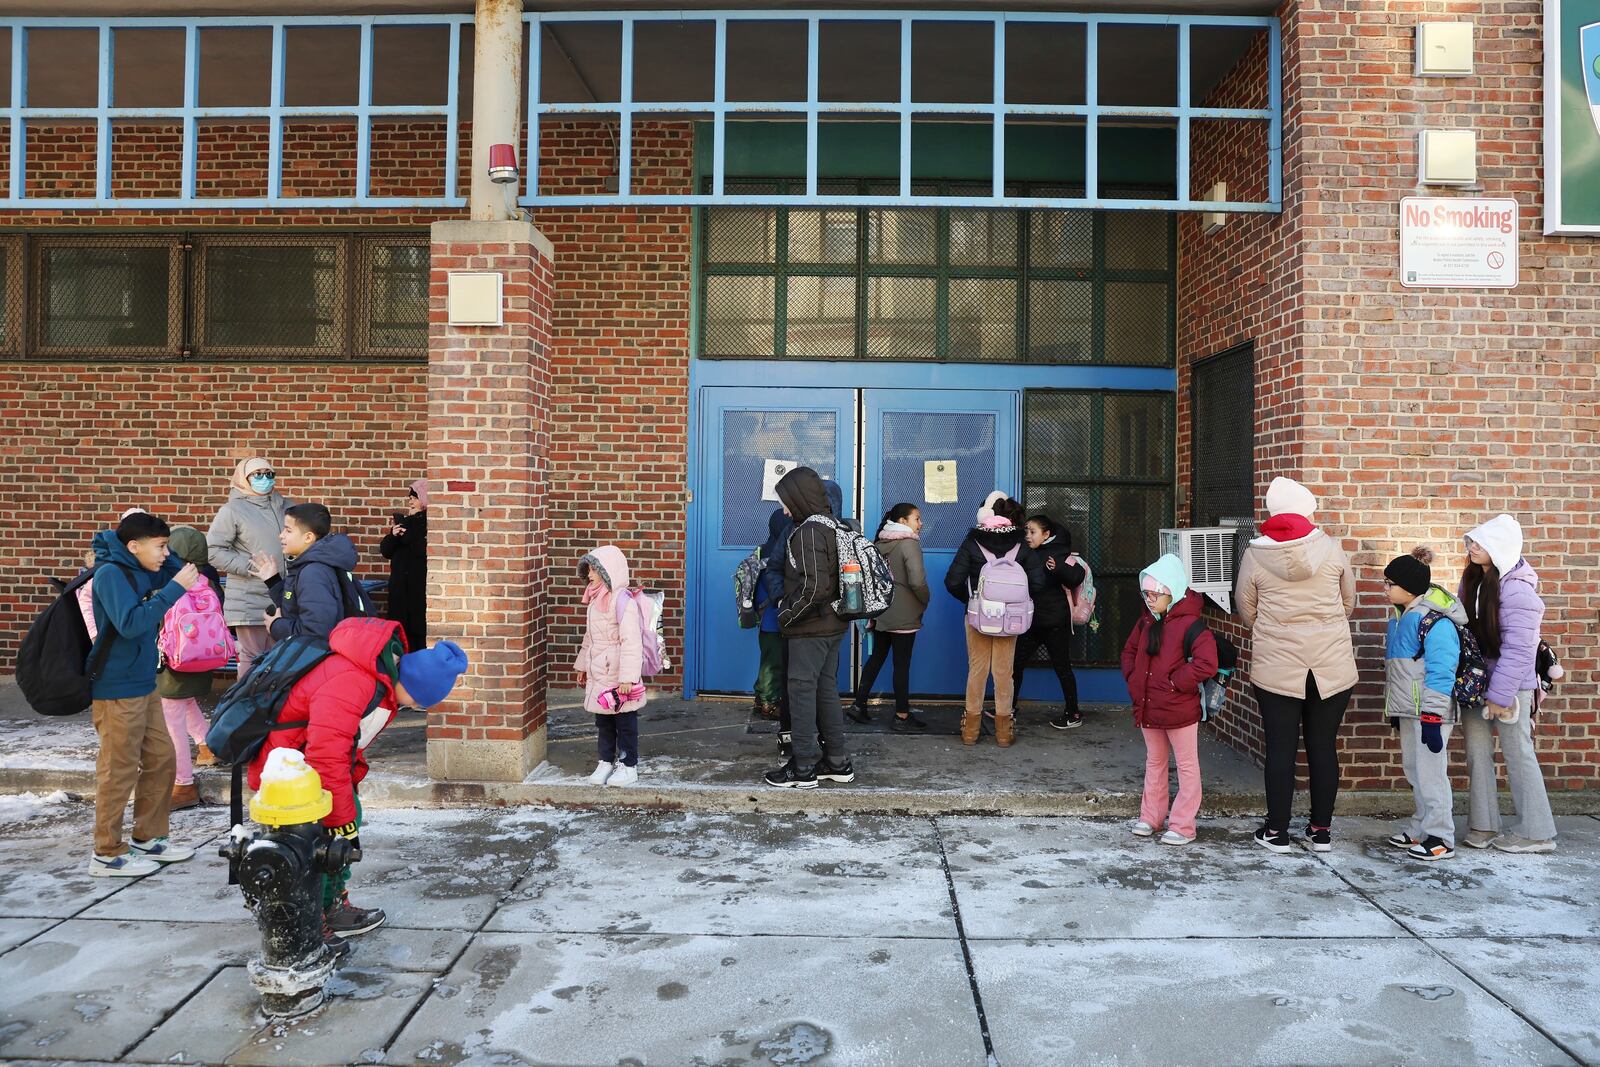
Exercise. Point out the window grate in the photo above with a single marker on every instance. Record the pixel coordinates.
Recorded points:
(1223, 437)
(936, 284)
(167, 296)
(1100, 463)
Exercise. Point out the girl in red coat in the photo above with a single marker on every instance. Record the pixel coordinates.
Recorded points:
(1165, 686)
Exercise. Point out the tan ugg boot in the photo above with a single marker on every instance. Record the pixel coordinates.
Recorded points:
(971, 723)
(204, 757)
(1005, 730)
(185, 796)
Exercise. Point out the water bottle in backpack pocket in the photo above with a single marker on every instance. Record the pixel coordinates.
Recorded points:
(1002, 605)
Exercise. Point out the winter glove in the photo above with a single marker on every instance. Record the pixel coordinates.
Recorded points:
(351, 832)
(1431, 735)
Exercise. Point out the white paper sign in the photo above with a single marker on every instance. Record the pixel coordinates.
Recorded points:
(939, 481)
(1458, 242)
(775, 470)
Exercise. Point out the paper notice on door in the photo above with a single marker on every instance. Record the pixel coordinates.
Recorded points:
(775, 470)
(939, 481)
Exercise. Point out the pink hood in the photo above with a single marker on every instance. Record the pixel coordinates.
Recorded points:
(612, 565)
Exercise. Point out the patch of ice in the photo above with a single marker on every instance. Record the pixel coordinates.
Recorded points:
(21, 807)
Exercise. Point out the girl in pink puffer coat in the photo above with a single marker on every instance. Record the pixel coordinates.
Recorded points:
(609, 665)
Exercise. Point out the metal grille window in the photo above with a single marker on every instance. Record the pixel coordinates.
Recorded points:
(259, 295)
(217, 296)
(1101, 463)
(1223, 436)
(10, 295)
(958, 285)
(108, 297)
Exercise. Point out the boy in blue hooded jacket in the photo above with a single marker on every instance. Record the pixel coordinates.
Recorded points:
(136, 754)
(1421, 653)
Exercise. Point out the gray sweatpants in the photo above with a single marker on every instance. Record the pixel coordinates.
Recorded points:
(1429, 775)
(1522, 771)
(814, 706)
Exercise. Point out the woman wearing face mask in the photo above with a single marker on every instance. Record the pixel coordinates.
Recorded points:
(248, 523)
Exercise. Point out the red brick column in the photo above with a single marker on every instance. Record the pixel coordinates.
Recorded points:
(488, 443)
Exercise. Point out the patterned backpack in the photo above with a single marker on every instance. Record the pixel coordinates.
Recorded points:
(877, 579)
(194, 638)
(1082, 597)
(746, 578)
(1471, 690)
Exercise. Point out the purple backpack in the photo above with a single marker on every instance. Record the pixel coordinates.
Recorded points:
(652, 644)
(1002, 606)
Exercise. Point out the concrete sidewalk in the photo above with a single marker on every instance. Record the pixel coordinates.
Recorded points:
(533, 936)
(708, 755)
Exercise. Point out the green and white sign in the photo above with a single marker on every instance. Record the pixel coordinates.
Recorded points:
(1572, 116)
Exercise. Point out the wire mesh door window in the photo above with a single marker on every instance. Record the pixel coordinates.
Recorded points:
(933, 284)
(913, 438)
(1101, 464)
(749, 440)
(1223, 436)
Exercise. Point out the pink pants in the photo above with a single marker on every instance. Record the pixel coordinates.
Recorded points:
(1184, 745)
(184, 720)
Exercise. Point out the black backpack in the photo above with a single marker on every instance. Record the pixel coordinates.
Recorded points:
(53, 668)
(1213, 691)
(357, 604)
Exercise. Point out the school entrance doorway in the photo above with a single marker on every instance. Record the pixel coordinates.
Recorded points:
(943, 450)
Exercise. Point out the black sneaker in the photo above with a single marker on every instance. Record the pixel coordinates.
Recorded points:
(338, 946)
(790, 776)
(1274, 840)
(347, 920)
(859, 713)
(910, 723)
(785, 745)
(1317, 839)
(827, 771)
(1067, 720)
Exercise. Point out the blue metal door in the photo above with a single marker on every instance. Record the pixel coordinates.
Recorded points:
(741, 431)
(943, 450)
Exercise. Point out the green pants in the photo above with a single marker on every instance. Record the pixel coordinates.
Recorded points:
(769, 677)
(333, 885)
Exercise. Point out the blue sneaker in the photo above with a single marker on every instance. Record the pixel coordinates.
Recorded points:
(160, 850)
(126, 865)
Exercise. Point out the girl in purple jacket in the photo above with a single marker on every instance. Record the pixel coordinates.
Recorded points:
(1501, 595)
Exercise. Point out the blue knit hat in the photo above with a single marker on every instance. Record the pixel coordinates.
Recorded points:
(429, 674)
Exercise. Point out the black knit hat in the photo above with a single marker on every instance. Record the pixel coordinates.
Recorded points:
(1412, 572)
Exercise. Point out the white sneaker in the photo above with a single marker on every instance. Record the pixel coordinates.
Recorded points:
(602, 771)
(1140, 828)
(126, 865)
(623, 775)
(160, 850)
(1172, 837)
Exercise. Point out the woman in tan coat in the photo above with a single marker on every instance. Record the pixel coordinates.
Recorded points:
(1295, 591)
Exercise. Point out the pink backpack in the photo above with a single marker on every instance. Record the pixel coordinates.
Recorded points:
(194, 638)
(1002, 606)
(652, 645)
(1082, 597)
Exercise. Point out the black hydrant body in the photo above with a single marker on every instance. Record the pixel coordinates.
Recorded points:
(280, 869)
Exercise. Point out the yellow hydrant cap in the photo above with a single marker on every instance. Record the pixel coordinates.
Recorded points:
(291, 792)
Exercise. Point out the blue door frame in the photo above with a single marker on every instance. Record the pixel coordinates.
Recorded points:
(1094, 685)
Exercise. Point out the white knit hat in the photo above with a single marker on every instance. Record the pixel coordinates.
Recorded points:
(1285, 496)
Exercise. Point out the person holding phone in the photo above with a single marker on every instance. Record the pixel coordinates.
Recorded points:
(406, 548)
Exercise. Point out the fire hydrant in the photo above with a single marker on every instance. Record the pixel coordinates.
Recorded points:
(281, 865)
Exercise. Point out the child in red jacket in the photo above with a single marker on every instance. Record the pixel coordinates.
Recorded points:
(332, 715)
(1165, 687)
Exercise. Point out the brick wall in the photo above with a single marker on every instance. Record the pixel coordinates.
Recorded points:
(1419, 413)
(619, 374)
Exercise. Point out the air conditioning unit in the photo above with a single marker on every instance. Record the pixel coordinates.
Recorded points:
(1207, 553)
